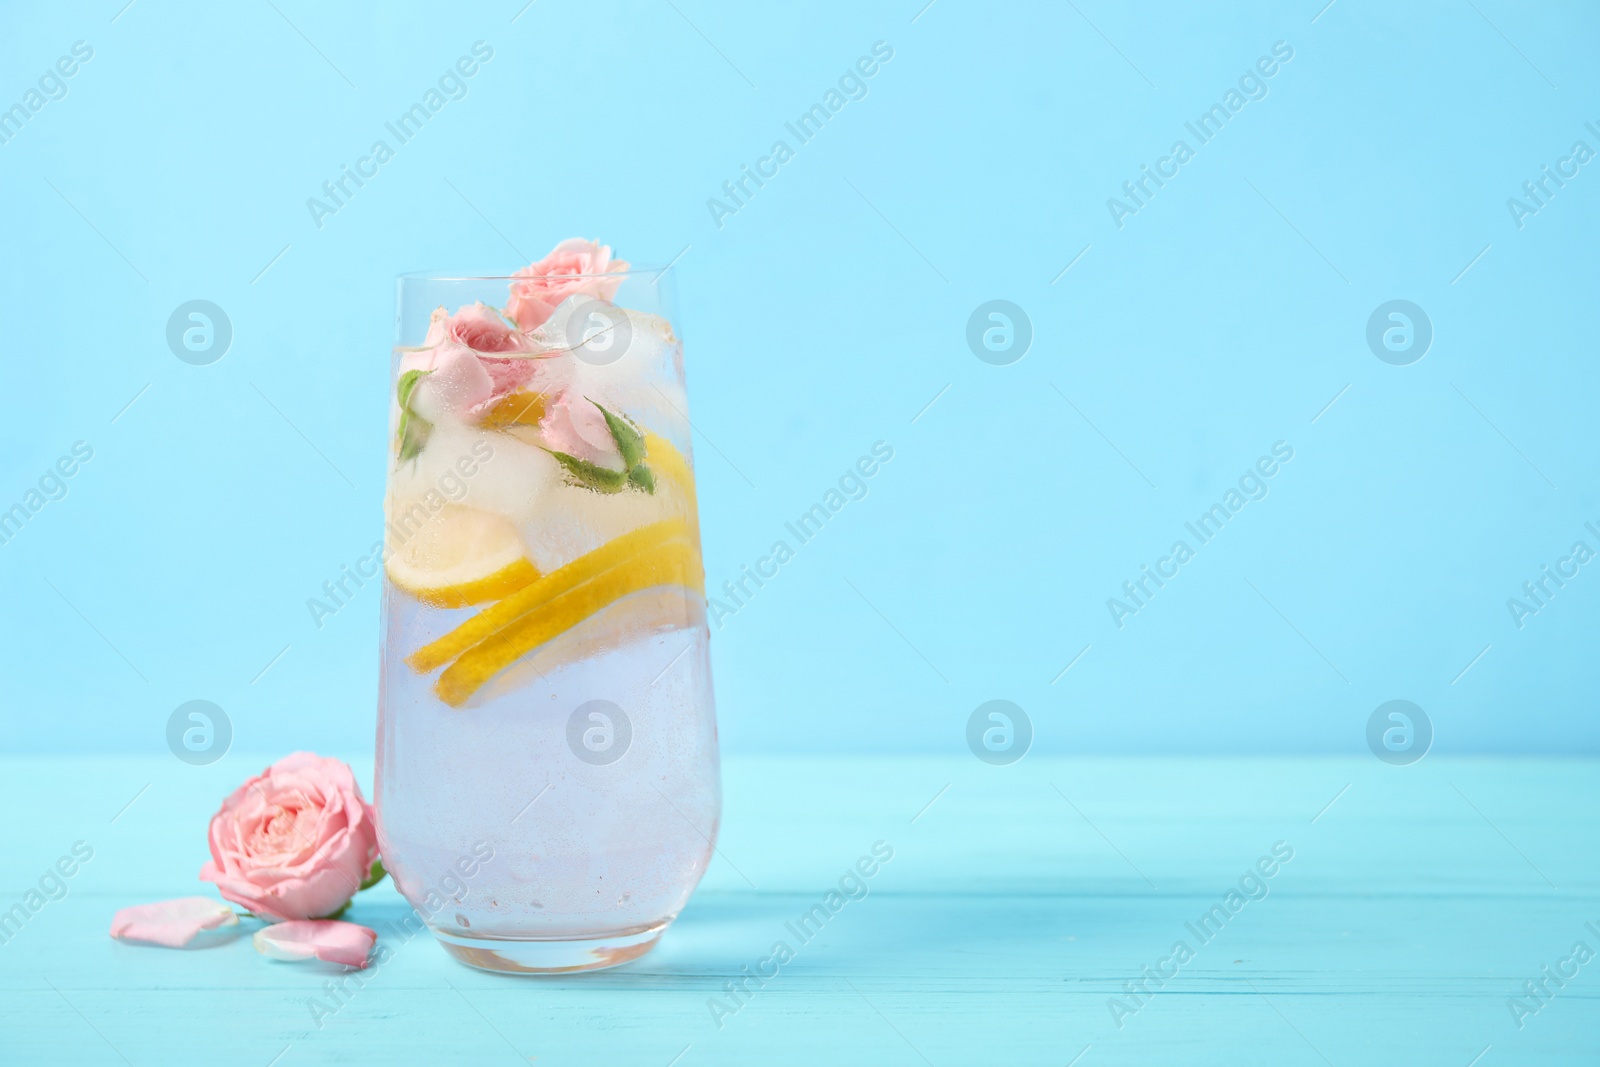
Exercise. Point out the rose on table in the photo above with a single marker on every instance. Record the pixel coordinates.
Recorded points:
(291, 846)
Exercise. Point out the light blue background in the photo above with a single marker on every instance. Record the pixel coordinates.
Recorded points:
(822, 317)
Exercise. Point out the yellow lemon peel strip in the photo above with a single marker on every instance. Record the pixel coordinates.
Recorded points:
(673, 563)
(497, 617)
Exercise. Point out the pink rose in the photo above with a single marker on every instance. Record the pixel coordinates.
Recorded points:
(466, 384)
(462, 377)
(294, 842)
(543, 285)
(575, 426)
(477, 327)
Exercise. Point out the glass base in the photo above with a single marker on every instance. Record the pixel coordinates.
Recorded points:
(509, 956)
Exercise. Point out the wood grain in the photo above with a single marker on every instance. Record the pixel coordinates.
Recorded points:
(1017, 905)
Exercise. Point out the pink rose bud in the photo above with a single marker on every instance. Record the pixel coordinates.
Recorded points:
(294, 842)
(477, 327)
(474, 358)
(538, 288)
(572, 424)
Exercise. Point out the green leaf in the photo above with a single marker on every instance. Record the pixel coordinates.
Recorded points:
(408, 384)
(340, 911)
(630, 442)
(630, 445)
(591, 475)
(414, 429)
(375, 875)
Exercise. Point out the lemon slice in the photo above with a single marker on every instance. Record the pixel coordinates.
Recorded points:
(668, 461)
(493, 620)
(515, 409)
(675, 563)
(460, 556)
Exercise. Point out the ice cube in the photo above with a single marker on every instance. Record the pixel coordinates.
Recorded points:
(490, 471)
(573, 520)
(628, 361)
(618, 340)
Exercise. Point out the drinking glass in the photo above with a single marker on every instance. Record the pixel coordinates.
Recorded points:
(547, 773)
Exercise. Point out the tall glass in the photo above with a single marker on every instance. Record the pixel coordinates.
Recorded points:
(547, 776)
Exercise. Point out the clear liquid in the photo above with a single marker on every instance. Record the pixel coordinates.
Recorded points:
(582, 847)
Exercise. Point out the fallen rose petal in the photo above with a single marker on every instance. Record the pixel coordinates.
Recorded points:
(173, 923)
(325, 939)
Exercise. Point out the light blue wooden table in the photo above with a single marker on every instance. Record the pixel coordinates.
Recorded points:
(1019, 903)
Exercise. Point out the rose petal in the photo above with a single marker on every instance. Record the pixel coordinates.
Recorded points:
(481, 330)
(325, 939)
(507, 375)
(173, 923)
(458, 384)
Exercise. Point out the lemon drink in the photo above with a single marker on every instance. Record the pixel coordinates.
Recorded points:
(545, 684)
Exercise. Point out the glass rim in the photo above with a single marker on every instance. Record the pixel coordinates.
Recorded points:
(432, 276)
